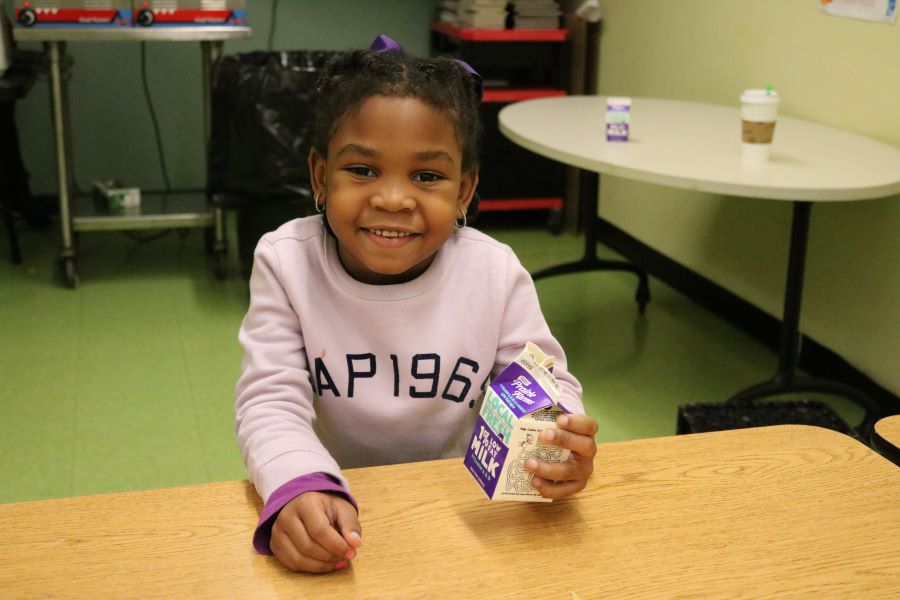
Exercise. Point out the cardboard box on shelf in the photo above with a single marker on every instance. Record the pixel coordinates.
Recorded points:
(112, 196)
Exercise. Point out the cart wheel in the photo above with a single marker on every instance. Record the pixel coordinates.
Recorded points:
(27, 17)
(145, 17)
(70, 272)
(554, 220)
(221, 267)
(209, 239)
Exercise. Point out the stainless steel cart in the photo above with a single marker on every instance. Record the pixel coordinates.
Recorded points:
(169, 211)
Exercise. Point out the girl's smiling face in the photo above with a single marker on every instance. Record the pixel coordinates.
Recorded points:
(393, 187)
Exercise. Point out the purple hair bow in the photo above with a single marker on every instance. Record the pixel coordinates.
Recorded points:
(385, 43)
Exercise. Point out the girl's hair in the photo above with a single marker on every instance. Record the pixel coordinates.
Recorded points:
(350, 78)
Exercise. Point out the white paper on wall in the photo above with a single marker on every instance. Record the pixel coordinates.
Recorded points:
(881, 11)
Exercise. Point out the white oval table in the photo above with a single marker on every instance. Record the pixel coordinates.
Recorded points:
(696, 146)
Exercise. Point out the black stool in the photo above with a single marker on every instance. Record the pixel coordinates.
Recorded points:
(884, 446)
(699, 418)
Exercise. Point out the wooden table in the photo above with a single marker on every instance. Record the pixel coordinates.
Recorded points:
(886, 438)
(787, 511)
(696, 146)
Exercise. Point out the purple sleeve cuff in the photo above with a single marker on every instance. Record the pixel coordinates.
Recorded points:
(314, 482)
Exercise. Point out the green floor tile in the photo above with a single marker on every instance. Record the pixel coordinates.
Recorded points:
(136, 425)
(37, 431)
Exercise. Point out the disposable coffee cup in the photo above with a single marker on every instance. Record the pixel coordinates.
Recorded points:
(759, 111)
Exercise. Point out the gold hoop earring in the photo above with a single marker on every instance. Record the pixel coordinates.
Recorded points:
(320, 208)
(464, 221)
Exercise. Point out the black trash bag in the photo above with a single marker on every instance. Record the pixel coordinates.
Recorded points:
(260, 139)
(261, 121)
(15, 187)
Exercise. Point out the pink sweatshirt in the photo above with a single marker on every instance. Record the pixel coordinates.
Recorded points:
(341, 374)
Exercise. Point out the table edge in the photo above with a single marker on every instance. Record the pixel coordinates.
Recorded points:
(820, 433)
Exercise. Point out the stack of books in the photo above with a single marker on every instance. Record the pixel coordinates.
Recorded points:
(536, 14)
(447, 12)
(482, 14)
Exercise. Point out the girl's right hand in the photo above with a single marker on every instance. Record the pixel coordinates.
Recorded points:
(316, 532)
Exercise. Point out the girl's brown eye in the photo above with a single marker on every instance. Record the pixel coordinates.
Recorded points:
(361, 171)
(426, 177)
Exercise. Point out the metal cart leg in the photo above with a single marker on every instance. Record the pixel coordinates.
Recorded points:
(212, 52)
(60, 109)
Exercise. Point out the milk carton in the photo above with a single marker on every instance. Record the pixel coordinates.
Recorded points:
(518, 405)
(618, 119)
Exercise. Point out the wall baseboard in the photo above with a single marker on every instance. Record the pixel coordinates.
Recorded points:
(815, 359)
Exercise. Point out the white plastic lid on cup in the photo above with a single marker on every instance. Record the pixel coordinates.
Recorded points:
(760, 97)
(760, 106)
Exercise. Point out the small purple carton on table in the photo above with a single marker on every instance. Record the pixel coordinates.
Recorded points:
(618, 119)
(518, 405)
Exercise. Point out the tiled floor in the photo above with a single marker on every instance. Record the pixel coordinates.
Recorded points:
(126, 382)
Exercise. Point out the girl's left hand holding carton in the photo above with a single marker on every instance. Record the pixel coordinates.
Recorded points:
(316, 532)
(559, 480)
(526, 445)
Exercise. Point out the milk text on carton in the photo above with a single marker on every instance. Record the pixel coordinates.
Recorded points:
(486, 449)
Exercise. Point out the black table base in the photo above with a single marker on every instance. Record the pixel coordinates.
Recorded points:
(589, 202)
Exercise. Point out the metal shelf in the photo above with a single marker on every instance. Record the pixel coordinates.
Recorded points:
(158, 33)
(157, 211)
(475, 34)
(518, 94)
(494, 204)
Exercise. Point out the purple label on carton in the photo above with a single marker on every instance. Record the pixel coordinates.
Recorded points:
(519, 391)
(618, 118)
(617, 132)
(485, 457)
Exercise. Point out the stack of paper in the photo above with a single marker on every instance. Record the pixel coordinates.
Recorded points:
(448, 11)
(536, 14)
(482, 14)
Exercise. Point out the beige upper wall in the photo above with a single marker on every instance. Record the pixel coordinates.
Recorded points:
(835, 71)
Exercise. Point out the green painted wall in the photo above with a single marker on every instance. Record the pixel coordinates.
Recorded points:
(112, 130)
(836, 71)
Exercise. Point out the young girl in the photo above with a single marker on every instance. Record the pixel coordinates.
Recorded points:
(374, 327)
